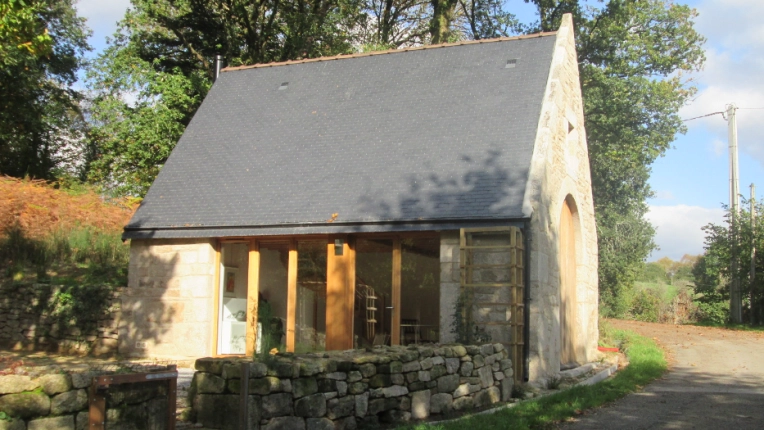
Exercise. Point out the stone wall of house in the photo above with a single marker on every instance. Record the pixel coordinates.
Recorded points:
(168, 305)
(34, 316)
(351, 389)
(560, 170)
(59, 400)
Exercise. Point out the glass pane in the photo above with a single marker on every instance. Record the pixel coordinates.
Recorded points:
(271, 314)
(373, 292)
(310, 319)
(420, 290)
(234, 258)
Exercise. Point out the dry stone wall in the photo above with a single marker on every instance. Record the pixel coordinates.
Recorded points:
(30, 319)
(351, 389)
(59, 401)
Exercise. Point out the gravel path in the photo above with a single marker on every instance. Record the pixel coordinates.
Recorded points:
(716, 381)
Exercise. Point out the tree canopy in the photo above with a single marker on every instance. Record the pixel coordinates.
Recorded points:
(42, 43)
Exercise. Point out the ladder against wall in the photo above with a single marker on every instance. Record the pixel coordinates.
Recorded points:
(492, 289)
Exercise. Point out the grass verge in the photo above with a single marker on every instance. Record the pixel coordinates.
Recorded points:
(729, 326)
(646, 364)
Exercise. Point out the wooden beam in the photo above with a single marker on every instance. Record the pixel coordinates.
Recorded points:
(291, 295)
(216, 299)
(395, 324)
(253, 289)
(350, 292)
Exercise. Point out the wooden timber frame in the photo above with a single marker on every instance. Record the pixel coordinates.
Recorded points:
(516, 276)
(100, 386)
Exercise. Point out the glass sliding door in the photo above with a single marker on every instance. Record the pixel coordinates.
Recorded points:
(420, 290)
(310, 315)
(232, 314)
(373, 312)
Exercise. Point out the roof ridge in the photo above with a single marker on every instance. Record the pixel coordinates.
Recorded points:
(389, 51)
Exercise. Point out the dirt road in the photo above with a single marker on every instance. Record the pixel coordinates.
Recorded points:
(716, 381)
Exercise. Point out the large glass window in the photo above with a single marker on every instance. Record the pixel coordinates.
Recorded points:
(420, 290)
(234, 258)
(373, 292)
(272, 297)
(310, 317)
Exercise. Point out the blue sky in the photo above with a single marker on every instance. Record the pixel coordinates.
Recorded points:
(691, 180)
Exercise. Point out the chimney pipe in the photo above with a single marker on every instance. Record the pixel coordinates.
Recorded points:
(218, 65)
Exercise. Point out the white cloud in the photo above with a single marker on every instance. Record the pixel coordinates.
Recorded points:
(664, 195)
(679, 229)
(733, 71)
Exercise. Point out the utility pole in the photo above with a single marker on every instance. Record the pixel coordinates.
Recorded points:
(752, 202)
(736, 299)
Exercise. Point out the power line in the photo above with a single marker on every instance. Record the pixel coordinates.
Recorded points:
(703, 116)
(720, 113)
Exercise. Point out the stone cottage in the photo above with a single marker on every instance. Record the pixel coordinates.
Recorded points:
(421, 195)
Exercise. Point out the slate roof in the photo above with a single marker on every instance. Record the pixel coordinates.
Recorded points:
(425, 139)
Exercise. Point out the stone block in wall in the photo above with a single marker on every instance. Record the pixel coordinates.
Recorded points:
(361, 404)
(319, 424)
(487, 397)
(208, 383)
(12, 424)
(340, 408)
(348, 423)
(55, 383)
(304, 386)
(395, 416)
(285, 423)
(377, 406)
(420, 404)
(25, 405)
(65, 422)
(463, 403)
(441, 403)
(485, 374)
(284, 369)
(220, 411)
(277, 405)
(211, 365)
(82, 420)
(10, 384)
(506, 389)
(70, 401)
(312, 406)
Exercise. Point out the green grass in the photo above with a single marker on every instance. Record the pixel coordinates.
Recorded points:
(72, 256)
(646, 364)
(729, 326)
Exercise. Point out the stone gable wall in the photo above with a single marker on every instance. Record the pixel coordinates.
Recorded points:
(351, 389)
(168, 305)
(560, 168)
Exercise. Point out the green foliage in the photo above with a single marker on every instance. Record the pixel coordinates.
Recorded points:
(712, 272)
(42, 43)
(464, 327)
(646, 363)
(98, 257)
(271, 334)
(5, 417)
(646, 305)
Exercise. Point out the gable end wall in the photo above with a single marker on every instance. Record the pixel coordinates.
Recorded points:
(560, 168)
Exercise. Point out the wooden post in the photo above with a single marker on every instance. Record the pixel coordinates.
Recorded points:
(216, 300)
(395, 315)
(97, 408)
(291, 295)
(253, 289)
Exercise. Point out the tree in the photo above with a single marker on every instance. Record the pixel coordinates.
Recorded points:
(712, 272)
(634, 56)
(149, 82)
(42, 43)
